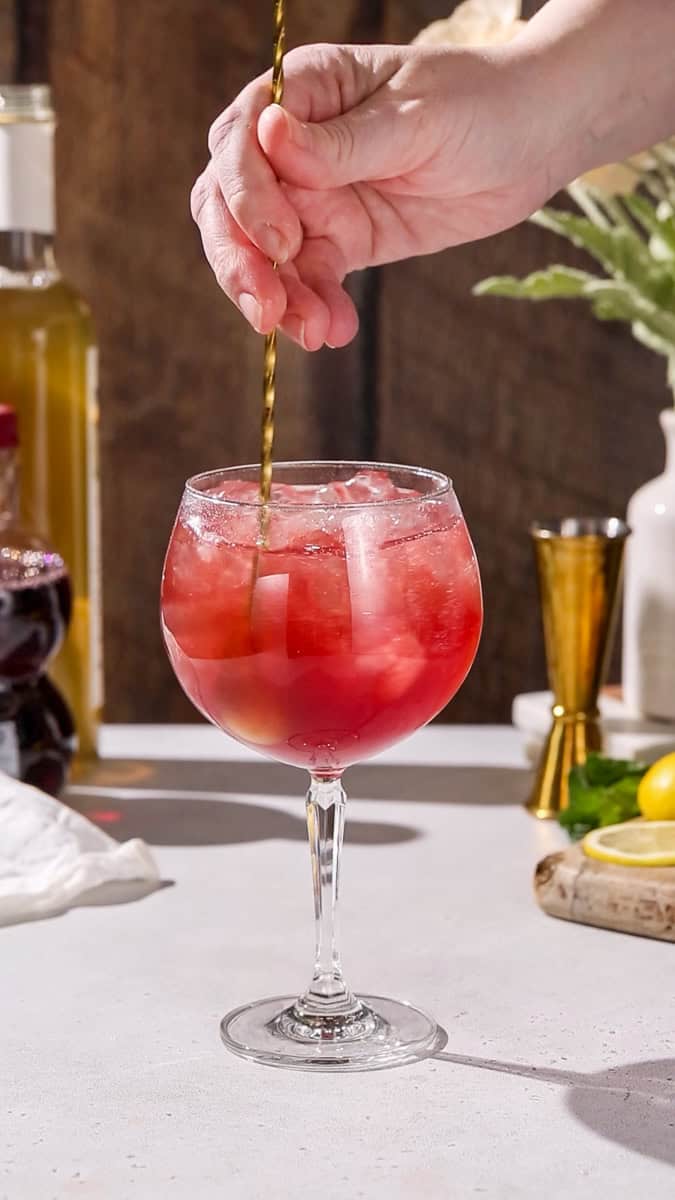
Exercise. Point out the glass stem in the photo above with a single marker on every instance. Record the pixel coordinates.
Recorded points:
(328, 994)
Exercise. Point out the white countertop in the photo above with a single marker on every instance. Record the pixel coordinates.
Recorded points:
(559, 1075)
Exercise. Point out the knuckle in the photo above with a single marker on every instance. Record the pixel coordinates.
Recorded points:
(201, 192)
(342, 136)
(221, 266)
(302, 58)
(238, 201)
(221, 129)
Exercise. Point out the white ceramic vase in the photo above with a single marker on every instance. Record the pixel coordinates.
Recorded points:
(649, 593)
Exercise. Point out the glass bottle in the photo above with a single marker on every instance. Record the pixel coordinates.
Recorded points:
(48, 373)
(37, 737)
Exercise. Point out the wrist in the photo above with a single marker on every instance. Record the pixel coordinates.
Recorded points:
(601, 73)
(550, 83)
(540, 126)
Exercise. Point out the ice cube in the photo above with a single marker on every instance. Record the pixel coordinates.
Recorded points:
(245, 491)
(366, 486)
(376, 596)
(401, 664)
(269, 613)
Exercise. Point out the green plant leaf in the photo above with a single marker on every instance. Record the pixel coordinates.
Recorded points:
(618, 301)
(621, 252)
(602, 791)
(640, 289)
(659, 223)
(642, 333)
(553, 283)
(601, 771)
(611, 300)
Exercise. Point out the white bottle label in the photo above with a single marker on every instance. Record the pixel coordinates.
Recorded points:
(27, 176)
(9, 749)
(94, 536)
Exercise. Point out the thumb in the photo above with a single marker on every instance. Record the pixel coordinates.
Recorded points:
(357, 146)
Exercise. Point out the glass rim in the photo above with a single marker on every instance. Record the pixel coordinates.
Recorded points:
(443, 486)
(564, 528)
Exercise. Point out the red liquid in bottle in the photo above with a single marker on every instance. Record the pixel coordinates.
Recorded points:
(36, 729)
(37, 736)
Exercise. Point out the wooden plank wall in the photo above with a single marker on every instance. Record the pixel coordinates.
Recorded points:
(137, 86)
(534, 412)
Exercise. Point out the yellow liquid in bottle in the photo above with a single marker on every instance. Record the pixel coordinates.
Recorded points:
(48, 374)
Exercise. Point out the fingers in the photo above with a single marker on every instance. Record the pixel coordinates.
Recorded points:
(247, 182)
(245, 216)
(243, 272)
(372, 142)
(321, 269)
(305, 299)
(320, 82)
(344, 321)
(307, 317)
(319, 310)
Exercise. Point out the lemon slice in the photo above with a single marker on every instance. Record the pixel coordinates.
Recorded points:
(633, 844)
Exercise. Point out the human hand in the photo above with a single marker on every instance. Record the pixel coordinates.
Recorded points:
(379, 153)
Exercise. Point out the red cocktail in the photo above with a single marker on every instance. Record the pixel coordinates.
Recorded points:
(320, 631)
(347, 631)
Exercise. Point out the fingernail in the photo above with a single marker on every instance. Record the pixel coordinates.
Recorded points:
(295, 328)
(251, 309)
(273, 243)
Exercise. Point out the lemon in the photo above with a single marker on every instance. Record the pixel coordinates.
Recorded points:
(633, 844)
(656, 791)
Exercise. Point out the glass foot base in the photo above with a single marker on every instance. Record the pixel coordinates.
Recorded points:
(381, 1033)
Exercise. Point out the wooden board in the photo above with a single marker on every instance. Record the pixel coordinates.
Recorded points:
(627, 899)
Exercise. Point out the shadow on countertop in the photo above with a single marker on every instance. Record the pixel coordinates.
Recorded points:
(632, 1105)
(366, 781)
(205, 803)
(185, 819)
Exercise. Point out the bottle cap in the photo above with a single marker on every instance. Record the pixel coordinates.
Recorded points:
(9, 432)
(26, 158)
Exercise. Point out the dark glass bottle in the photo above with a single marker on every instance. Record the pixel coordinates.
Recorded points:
(37, 736)
(48, 370)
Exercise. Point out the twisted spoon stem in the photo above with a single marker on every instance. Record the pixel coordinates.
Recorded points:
(270, 355)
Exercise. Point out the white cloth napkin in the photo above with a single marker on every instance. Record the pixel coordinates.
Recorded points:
(50, 855)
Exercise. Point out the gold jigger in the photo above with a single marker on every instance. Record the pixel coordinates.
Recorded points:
(579, 564)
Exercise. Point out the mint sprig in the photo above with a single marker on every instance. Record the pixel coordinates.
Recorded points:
(603, 791)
